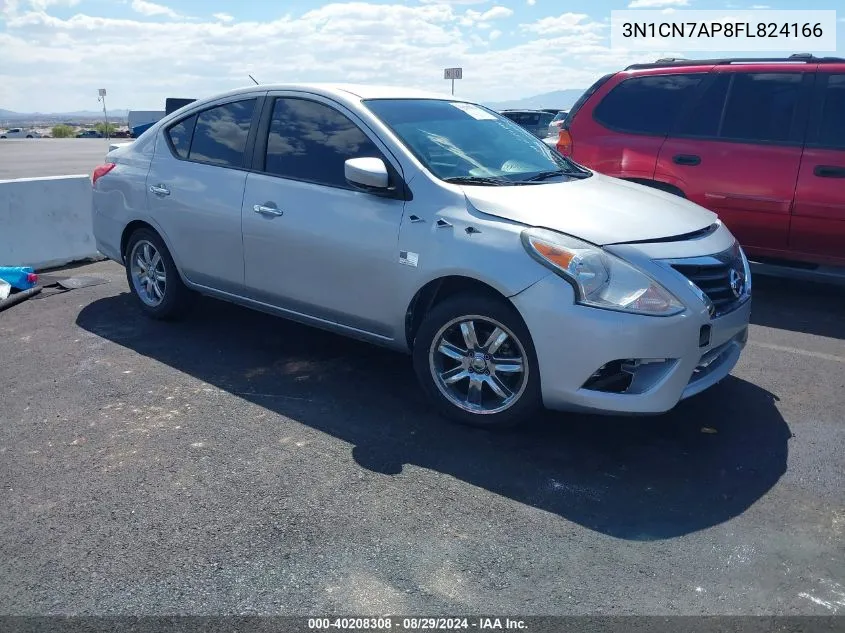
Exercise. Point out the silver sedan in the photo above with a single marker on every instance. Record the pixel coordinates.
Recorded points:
(437, 227)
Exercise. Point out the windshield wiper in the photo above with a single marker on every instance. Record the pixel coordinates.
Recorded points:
(545, 175)
(477, 180)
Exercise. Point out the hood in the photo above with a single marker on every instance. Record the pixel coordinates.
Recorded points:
(599, 209)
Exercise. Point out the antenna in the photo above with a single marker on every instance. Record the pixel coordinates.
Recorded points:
(253, 78)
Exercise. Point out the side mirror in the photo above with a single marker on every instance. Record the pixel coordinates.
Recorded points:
(367, 173)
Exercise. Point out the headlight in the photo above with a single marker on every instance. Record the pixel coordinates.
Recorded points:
(600, 279)
(746, 269)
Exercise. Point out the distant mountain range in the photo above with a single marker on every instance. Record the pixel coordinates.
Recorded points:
(9, 115)
(563, 99)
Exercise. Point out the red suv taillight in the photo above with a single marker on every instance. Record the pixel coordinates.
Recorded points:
(101, 171)
(564, 142)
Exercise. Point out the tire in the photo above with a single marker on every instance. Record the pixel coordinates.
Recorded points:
(446, 323)
(164, 297)
(29, 136)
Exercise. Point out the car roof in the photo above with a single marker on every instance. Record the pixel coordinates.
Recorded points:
(343, 91)
(675, 62)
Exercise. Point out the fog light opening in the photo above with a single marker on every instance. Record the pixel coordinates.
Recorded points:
(619, 376)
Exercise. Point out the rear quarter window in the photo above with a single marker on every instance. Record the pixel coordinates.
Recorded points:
(646, 105)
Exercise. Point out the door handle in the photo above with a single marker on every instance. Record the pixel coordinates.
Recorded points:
(267, 210)
(829, 171)
(686, 159)
(159, 190)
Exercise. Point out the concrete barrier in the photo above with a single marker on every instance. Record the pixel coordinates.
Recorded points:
(46, 222)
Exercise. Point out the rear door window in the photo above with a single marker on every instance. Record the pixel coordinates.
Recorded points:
(220, 134)
(750, 107)
(648, 104)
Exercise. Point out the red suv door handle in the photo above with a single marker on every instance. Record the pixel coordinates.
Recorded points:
(686, 159)
(829, 171)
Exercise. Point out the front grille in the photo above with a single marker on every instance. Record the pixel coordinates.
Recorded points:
(714, 280)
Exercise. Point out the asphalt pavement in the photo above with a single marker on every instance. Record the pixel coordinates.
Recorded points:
(33, 158)
(234, 462)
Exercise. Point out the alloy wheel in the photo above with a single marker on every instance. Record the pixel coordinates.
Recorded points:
(478, 364)
(149, 277)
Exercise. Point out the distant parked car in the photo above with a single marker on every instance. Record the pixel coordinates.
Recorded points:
(535, 121)
(89, 134)
(554, 126)
(17, 132)
(759, 142)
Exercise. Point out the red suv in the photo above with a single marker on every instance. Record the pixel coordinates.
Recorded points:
(760, 142)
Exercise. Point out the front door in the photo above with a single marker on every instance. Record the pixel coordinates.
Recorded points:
(314, 244)
(736, 150)
(818, 221)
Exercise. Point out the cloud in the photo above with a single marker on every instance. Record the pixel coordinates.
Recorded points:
(43, 5)
(531, 3)
(396, 44)
(494, 35)
(152, 9)
(657, 4)
(564, 24)
(453, 1)
(760, 6)
(223, 17)
(496, 12)
(482, 19)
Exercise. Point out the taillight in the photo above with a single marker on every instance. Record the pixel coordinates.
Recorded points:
(564, 142)
(101, 171)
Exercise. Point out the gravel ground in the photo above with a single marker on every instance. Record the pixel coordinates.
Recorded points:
(239, 463)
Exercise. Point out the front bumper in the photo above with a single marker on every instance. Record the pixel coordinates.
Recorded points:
(573, 341)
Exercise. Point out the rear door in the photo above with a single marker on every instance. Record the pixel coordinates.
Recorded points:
(195, 187)
(623, 136)
(818, 218)
(736, 150)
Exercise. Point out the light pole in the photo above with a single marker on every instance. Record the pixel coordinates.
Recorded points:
(102, 98)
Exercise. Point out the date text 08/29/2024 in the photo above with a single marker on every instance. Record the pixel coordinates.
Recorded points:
(417, 624)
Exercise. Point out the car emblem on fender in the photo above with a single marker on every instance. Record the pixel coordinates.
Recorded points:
(737, 283)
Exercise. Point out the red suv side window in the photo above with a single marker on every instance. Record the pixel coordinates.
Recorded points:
(749, 107)
(646, 105)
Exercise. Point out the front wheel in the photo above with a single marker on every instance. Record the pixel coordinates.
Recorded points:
(475, 359)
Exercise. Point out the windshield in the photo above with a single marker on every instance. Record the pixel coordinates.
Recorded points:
(559, 116)
(462, 142)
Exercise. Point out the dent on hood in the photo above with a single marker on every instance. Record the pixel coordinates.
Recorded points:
(600, 210)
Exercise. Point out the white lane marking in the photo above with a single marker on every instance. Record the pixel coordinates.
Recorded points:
(800, 352)
(822, 603)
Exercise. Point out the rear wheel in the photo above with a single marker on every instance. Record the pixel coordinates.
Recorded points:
(153, 277)
(475, 359)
